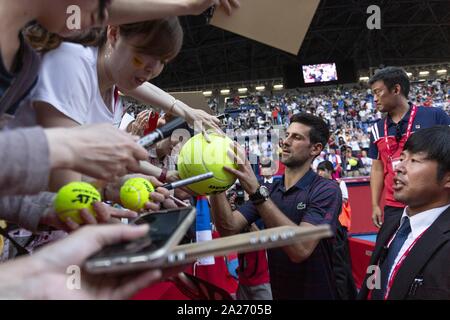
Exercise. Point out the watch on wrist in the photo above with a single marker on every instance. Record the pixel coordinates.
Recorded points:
(261, 195)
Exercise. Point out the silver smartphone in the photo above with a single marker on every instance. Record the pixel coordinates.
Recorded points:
(167, 228)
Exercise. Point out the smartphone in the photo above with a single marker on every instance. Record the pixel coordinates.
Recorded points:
(167, 228)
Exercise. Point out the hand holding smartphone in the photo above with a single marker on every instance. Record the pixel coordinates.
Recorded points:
(167, 228)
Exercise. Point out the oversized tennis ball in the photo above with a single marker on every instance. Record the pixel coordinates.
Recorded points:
(73, 197)
(198, 156)
(353, 162)
(135, 193)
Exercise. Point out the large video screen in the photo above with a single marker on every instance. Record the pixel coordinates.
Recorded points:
(316, 73)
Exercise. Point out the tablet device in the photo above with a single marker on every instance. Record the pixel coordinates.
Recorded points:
(167, 228)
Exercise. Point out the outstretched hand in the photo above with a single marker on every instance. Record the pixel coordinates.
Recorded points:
(52, 262)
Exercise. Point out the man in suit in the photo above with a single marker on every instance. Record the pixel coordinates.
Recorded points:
(411, 259)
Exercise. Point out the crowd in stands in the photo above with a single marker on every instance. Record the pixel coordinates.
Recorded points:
(348, 112)
(258, 122)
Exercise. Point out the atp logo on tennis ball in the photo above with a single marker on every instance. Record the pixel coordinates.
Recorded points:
(135, 193)
(73, 197)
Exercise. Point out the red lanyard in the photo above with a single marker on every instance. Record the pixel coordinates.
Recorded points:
(408, 130)
(399, 264)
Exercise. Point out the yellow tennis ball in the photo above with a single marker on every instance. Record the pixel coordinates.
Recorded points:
(198, 156)
(135, 193)
(73, 197)
(141, 183)
(353, 162)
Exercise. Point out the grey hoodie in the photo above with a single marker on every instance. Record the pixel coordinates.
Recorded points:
(24, 153)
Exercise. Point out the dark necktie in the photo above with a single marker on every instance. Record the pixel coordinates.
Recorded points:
(394, 249)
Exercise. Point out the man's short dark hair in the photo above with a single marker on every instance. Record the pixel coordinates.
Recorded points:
(392, 76)
(435, 142)
(319, 133)
(325, 165)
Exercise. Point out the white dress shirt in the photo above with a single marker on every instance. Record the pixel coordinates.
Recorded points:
(419, 223)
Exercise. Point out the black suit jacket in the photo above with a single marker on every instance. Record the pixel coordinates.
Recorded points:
(428, 260)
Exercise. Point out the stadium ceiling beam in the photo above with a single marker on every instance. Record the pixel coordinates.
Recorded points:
(433, 14)
(414, 31)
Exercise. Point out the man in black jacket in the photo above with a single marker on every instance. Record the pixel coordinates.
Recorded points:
(411, 259)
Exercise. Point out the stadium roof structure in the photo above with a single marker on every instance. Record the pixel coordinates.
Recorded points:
(412, 32)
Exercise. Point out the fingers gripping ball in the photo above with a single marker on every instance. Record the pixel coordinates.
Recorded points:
(73, 197)
(198, 156)
(135, 193)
